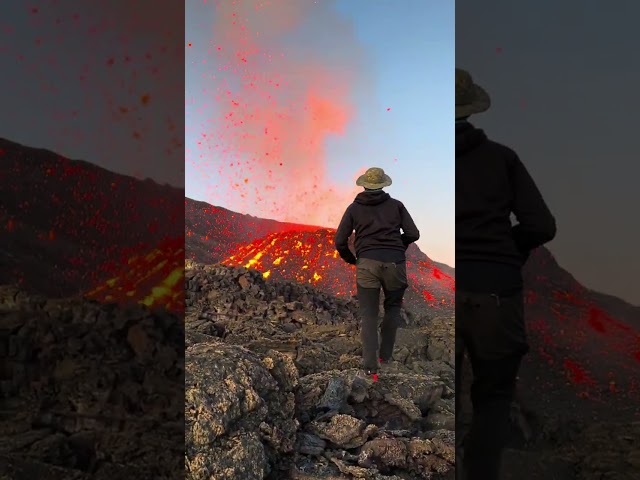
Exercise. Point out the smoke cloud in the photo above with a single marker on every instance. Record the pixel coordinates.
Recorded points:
(282, 84)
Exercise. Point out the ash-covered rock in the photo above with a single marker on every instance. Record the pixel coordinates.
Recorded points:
(89, 390)
(274, 374)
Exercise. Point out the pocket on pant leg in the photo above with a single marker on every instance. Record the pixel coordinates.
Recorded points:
(495, 327)
(365, 278)
(395, 277)
(366, 274)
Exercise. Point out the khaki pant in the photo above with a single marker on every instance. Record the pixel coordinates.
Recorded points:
(371, 277)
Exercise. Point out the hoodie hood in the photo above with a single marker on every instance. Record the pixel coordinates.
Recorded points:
(468, 138)
(374, 197)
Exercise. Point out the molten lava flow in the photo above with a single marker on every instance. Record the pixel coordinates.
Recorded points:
(155, 279)
(310, 257)
(305, 257)
(212, 232)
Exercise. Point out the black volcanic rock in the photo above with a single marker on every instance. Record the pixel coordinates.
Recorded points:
(585, 345)
(89, 391)
(584, 361)
(240, 411)
(585, 353)
(295, 398)
(212, 232)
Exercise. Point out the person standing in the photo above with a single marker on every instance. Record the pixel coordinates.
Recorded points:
(492, 185)
(383, 232)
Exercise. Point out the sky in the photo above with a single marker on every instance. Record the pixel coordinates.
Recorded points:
(564, 79)
(287, 104)
(96, 81)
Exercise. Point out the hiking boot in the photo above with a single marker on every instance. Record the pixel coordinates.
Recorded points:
(384, 364)
(373, 374)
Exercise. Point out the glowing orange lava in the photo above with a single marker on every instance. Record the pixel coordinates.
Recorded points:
(155, 279)
(575, 335)
(311, 258)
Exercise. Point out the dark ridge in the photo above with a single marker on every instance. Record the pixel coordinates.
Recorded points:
(67, 225)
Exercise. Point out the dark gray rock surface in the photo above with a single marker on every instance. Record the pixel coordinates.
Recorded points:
(89, 390)
(273, 374)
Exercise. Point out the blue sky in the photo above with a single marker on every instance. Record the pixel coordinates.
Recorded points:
(408, 66)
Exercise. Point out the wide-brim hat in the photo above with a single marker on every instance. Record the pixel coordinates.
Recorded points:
(373, 179)
(470, 97)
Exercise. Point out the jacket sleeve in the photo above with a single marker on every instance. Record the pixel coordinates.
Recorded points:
(536, 225)
(410, 232)
(344, 231)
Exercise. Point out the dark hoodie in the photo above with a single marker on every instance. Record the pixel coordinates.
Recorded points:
(377, 219)
(491, 184)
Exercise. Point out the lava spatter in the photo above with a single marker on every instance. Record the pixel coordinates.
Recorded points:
(265, 106)
(579, 337)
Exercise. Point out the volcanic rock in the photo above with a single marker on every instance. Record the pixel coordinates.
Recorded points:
(239, 411)
(303, 254)
(274, 369)
(89, 390)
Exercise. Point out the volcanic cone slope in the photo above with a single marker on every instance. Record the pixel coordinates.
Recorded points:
(304, 254)
(68, 226)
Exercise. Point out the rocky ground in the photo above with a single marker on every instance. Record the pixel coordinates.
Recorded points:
(271, 389)
(274, 388)
(577, 450)
(89, 391)
(563, 445)
(293, 396)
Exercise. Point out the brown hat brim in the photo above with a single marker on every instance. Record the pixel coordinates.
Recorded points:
(361, 182)
(481, 103)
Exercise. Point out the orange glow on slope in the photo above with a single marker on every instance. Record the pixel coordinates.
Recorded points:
(301, 261)
(311, 258)
(155, 279)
